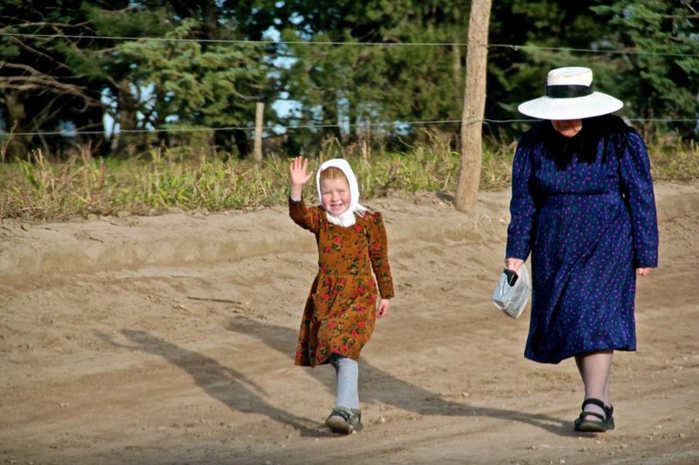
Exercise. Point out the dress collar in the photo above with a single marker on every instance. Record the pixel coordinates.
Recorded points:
(345, 219)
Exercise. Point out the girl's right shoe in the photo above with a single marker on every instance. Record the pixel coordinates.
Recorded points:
(343, 420)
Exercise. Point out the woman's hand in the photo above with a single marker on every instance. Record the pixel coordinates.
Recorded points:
(298, 170)
(513, 264)
(643, 271)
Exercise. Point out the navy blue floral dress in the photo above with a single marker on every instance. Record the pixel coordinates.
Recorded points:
(588, 226)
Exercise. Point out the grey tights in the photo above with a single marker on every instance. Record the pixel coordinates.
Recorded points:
(347, 375)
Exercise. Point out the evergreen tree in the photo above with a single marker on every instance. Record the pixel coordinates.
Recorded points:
(64, 66)
(529, 38)
(658, 73)
(362, 88)
(49, 83)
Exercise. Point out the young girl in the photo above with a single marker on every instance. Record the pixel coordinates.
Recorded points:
(342, 307)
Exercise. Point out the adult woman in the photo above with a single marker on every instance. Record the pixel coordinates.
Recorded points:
(583, 206)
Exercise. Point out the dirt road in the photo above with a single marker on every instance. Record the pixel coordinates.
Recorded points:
(170, 340)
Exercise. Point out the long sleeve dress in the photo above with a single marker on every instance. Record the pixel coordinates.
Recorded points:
(587, 227)
(340, 311)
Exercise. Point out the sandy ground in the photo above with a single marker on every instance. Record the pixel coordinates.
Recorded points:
(170, 339)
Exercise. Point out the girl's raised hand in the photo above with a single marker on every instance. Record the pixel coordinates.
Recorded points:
(298, 170)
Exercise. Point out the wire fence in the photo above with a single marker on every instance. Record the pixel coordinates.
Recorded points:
(281, 129)
(354, 44)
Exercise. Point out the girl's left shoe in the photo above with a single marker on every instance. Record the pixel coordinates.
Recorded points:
(343, 420)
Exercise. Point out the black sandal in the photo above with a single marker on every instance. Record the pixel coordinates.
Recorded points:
(606, 423)
(609, 411)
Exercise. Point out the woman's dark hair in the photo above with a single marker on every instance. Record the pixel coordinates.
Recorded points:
(585, 143)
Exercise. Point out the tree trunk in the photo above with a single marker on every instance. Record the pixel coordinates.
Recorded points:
(474, 107)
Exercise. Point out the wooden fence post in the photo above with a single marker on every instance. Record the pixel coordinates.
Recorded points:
(257, 149)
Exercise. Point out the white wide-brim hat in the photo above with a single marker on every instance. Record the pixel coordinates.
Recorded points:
(569, 95)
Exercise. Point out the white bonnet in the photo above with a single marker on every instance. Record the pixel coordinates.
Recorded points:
(346, 169)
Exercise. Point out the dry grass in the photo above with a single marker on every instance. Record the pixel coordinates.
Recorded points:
(162, 181)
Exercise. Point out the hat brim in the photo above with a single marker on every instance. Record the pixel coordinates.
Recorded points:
(595, 104)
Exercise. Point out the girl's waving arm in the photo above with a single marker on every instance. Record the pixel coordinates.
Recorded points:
(307, 218)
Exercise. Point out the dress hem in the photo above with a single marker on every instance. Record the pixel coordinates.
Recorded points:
(565, 357)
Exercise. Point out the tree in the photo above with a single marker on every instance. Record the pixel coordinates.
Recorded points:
(192, 87)
(50, 83)
(644, 52)
(544, 34)
(152, 64)
(62, 69)
(658, 73)
(203, 75)
(344, 82)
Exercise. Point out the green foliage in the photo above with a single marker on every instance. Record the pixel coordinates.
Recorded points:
(353, 85)
(662, 81)
(190, 84)
(131, 22)
(162, 64)
(548, 33)
(8, 50)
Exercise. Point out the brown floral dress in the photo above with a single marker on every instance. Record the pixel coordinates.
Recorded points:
(340, 312)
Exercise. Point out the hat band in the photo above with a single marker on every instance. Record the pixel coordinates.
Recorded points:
(569, 91)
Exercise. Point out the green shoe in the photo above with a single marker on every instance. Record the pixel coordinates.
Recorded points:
(343, 420)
